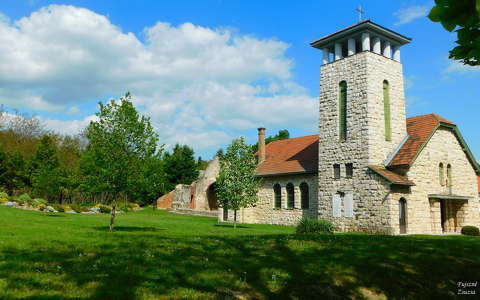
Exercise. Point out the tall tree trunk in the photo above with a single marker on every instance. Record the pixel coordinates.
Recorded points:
(112, 217)
(235, 218)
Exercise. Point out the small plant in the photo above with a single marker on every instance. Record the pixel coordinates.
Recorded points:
(105, 209)
(308, 225)
(470, 230)
(24, 197)
(36, 200)
(3, 195)
(75, 208)
(134, 206)
(58, 207)
(3, 199)
(41, 207)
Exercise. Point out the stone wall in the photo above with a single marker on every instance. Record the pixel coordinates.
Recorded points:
(205, 180)
(265, 213)
(365, 144)
(444, 148)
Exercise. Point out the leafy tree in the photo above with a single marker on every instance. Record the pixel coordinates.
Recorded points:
(219, 153)
(120, 143)
(46, 177)
(281, 135)
(237, 183)
(180, 166)
(201, 164)
(463, 17)
(13, 171)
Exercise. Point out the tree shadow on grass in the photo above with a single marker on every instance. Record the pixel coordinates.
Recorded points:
(128, 228)
(230, 226)
(256, 267)
(55, 215)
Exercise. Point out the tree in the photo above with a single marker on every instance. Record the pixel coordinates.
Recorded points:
(201, 164)
(281, 135)
(464, 15)
(237, 183)
(119, 143)
(180, 166)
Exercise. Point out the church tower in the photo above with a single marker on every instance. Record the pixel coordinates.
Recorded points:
(362, 121)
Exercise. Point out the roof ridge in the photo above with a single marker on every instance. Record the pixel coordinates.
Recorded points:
(436, 116)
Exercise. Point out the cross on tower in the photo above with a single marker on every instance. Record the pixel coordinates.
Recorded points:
(360, 13)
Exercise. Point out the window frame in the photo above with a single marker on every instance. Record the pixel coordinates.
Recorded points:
(290, 188)
(277, 196)
(304, 195)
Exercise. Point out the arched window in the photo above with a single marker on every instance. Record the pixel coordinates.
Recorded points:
(386, 111)
(277, 190)
(441, 174)
(290, 196)
(402, 214)
(304, 195)
(449, 175)
(343, 111)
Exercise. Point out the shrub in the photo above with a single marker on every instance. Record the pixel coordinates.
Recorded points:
(37, 201)
(105, 209)
(134, 206)
(3, 200)
(58, 207)
(470, 230)
(3, 195)
(24, 197)
(75, 208)
(308, 225)
(41, 207)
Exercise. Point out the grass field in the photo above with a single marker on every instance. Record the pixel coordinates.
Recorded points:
(158, 255)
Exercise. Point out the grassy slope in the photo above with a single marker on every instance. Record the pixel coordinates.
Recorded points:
(157, 255)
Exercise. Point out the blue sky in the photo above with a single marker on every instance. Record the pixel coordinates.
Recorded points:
(209, 71)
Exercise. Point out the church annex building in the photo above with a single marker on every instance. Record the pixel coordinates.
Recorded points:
(370, 168)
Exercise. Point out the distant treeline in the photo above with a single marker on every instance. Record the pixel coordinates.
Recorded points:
(48, 165)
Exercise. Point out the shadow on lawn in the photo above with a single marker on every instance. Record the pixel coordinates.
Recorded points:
(257, 267)
(230, 226)
(128, 228)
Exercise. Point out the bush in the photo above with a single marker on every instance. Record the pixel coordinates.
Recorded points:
(25, 198)
(41, 207)
(75, 208)
(105, 209)
(470, 230)
(3, 199)
(308, 225)
(58, 207)
(38, 201)
(3, 195)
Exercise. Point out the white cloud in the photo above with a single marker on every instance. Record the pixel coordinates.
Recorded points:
(459, 68)
(200, 86)
(68, 126)
(411, 13)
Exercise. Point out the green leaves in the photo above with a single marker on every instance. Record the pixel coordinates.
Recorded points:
(237, 183)
(464, 15)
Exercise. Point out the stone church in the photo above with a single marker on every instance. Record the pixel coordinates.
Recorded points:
(370, 168)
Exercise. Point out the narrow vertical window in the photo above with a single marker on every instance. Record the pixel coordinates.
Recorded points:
(449, 176)
(386, 111)
(343, 111)
(277, 190)
(290, 196)
(349, 170)
(305, 195)
(441, 174)
(336, 171)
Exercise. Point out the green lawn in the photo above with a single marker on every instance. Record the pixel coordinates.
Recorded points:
(158, 255)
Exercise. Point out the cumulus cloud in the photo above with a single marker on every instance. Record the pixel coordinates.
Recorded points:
(200, 86)
(411, 13)
(459, 68)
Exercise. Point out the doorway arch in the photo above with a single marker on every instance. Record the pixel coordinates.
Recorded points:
(212, 199)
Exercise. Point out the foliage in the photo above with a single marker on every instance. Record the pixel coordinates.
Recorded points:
(281, 135)
(105, 209)
(237, 183)
(24, 197)
(470, 230)
(72, 257)
(3, 195)
(180, 166)
(3, 200)
(201, 164)
(463, 17)
(309, 225)
(121, 142)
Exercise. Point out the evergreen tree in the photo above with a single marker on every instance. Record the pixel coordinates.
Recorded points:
(180, 166)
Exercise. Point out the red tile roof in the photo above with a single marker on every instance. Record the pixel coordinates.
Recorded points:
(295, 155)
(419, 129)
(391, 176)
